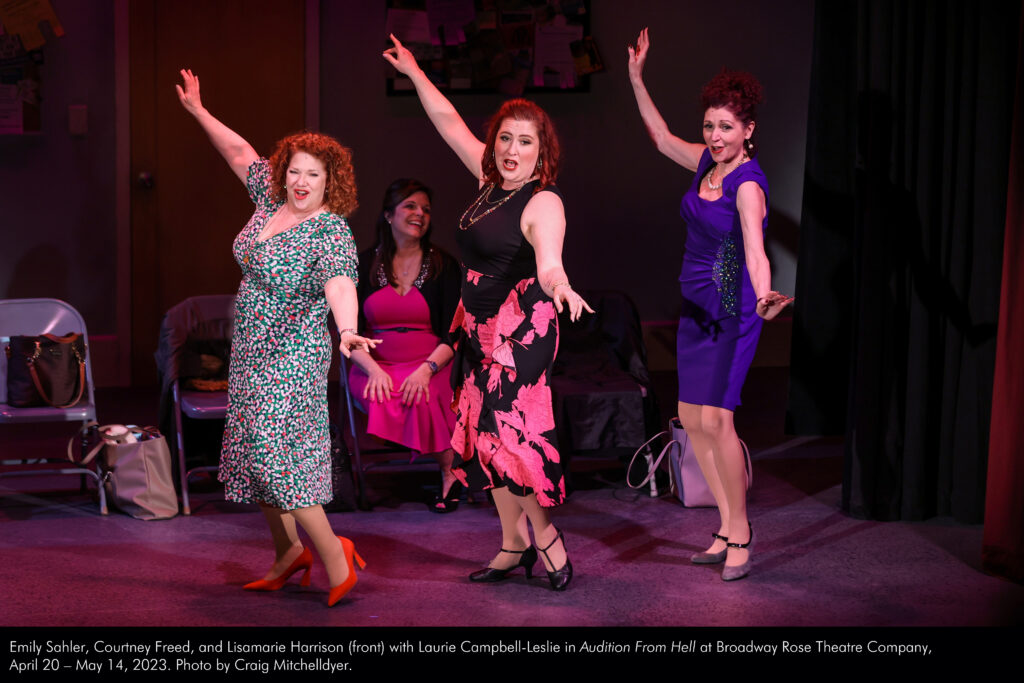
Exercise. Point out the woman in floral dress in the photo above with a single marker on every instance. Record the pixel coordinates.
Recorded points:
(298, 262)
(511, 241)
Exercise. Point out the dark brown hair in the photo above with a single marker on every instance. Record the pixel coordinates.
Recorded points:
(398, 191)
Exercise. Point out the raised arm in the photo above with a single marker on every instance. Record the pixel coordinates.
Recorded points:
(236, 151)
(544, 228)
(751, 207)
(440, 111)
(686, 154)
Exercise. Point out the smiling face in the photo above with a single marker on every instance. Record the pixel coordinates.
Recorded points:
(411, 218)
(305, 182)
(516, 149)
(724, 135)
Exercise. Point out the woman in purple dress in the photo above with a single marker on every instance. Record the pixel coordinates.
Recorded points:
(511, 242)
(408, 292)
(726, 288)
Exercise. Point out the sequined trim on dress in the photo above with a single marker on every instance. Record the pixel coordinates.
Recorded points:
(725, 272)
(382, 277)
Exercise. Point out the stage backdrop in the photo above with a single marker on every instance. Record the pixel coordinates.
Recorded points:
(901, 248)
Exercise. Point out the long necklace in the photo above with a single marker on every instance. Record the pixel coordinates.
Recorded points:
(484, 196)
(712, 186)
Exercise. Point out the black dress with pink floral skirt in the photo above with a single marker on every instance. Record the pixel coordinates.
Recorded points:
(507, 339)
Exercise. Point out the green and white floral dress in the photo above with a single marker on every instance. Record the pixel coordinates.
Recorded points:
(276, 446)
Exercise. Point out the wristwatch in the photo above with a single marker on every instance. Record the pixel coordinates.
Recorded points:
(432, 365)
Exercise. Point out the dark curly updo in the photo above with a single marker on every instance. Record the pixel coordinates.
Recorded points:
(740, 93)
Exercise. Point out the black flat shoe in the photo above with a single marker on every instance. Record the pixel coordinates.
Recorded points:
(449, 503)
(492, 575)
(559, 578)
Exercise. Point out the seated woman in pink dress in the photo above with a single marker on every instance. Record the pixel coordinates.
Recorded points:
(408, 291)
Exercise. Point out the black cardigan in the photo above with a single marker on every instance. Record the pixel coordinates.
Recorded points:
(442, 291)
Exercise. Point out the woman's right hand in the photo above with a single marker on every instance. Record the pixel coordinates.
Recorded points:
(379, 387)
(400, 58)
(189, 95)
(771, 304)
(638, 56)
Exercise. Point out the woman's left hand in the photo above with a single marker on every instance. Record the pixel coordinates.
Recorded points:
(771, 304)
(350, 341)
(416, 386)
(564, 294)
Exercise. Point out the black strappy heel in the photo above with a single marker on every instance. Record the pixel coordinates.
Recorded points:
(492, 575)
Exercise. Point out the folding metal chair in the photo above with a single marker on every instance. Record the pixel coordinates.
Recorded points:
(36, 317)
(198, 317)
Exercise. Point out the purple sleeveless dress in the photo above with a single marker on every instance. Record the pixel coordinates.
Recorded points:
(718, 326)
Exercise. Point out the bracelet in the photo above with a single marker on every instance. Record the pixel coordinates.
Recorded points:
(341, 333)
(560, 283)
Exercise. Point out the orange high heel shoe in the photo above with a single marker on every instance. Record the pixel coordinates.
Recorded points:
(303, 561)
(339, 591)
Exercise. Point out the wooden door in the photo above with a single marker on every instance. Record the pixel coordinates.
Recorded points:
(186, 204)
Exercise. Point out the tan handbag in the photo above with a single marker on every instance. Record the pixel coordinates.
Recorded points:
(136, 468)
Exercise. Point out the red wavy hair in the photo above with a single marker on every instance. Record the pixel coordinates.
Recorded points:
(340, 188)
(547, 139)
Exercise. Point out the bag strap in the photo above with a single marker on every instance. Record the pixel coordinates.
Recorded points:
(654, 468)
(92, 453)
(39, 385)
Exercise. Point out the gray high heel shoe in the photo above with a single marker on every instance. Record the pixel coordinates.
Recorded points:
(738, 572)
(712, 558)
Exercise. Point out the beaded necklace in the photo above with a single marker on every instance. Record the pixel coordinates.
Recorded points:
(715, 168)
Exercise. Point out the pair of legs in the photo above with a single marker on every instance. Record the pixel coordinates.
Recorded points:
(514, 512)
(721, 459)
(288, 546)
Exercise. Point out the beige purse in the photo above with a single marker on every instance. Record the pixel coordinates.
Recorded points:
(136, 468)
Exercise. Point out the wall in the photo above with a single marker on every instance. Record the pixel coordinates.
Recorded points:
(58, 193)
(57, 190)
(622, 196)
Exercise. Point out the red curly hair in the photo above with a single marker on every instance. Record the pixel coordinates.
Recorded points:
(737, 91)
(547, 139)
(340, 187)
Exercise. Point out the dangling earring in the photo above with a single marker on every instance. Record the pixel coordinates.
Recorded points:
(750, 145)
(540, 164)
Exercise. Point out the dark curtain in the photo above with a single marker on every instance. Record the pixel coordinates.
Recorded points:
(901, 248)
(1003, 544)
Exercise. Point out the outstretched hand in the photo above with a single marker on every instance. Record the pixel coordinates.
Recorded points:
(771, 304)
(564, 294)
(638, 55)
(353, 342)
(189, 95)
(400, 57)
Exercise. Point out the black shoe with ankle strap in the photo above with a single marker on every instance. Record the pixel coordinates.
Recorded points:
(493, 575)
(559, 578)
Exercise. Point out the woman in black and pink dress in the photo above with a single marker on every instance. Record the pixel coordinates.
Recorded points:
(514, 286)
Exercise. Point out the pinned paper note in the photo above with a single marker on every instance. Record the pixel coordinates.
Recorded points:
(22, 17)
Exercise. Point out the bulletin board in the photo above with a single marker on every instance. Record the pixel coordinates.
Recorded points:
(21, 56)
(487, 46)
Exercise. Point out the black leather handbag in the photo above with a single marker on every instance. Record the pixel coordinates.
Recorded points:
(45, 370)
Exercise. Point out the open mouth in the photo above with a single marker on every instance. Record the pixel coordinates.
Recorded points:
(510, 164)
(301, 194)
